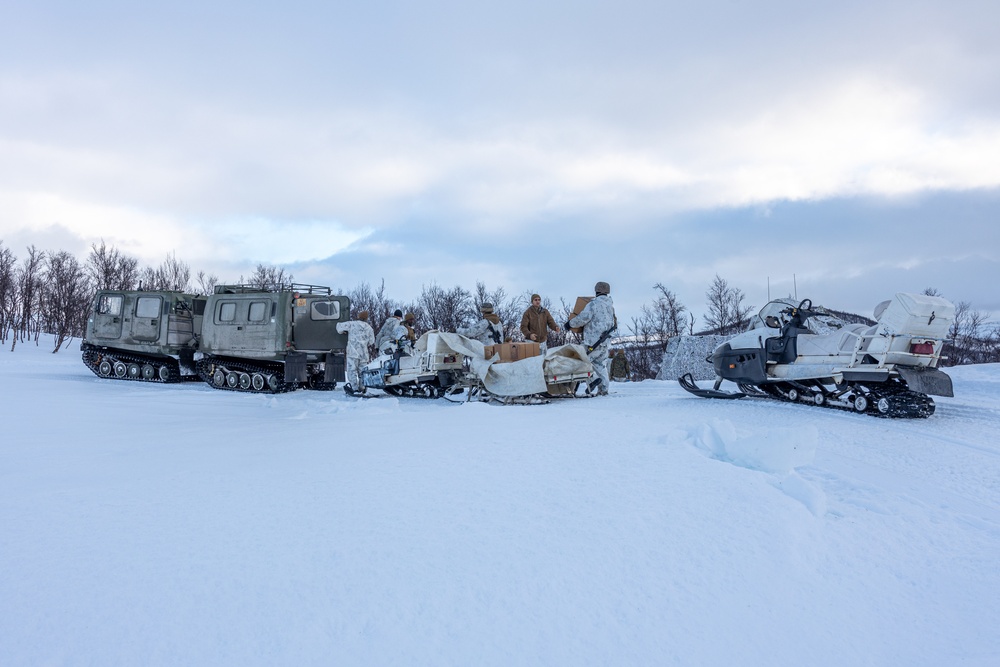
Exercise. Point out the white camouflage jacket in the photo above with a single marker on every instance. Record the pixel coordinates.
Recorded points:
(483, 331)
(597, 317)
(359, 336)
(390, 332)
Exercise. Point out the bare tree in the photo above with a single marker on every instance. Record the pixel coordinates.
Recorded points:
(64, 297)
(172, 274)
(726, 313)
(206, 283)
(652, 330)
(375, 301)
(445, 310)
(107, 268)
(970, 341)
(28, 295)
(267, 277)
(8, 291)
(561, 315)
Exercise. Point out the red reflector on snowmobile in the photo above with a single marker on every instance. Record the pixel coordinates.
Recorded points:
(921, 348)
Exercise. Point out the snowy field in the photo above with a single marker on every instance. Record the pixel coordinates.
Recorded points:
(180, 525)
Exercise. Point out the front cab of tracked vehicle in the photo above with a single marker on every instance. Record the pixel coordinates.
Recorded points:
(285, 333)
(147, 335)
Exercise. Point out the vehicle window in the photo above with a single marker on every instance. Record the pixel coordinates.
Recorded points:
(258, 310)
(227, 311)
(325, 310)
(147, 306)
(110, 304)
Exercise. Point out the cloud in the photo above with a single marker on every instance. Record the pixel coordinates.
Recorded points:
(549, 145)
(78, 223)
(276, 241)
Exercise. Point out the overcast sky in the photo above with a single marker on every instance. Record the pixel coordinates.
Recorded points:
(853, 147)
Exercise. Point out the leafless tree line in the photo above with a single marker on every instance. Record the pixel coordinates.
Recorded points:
(51, 292)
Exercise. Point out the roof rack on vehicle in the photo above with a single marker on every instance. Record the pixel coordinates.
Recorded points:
(301, 288)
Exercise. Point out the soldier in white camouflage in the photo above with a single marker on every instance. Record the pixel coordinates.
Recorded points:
(390, 333)
(359, 337)
(488, 330)
(598, 321)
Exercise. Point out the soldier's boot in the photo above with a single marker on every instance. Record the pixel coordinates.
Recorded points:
(348, 390)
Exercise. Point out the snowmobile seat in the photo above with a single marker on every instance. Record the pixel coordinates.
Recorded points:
(780, 350)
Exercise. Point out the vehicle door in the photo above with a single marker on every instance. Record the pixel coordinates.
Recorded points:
(107, 317)
(316, 321)
(147, 317)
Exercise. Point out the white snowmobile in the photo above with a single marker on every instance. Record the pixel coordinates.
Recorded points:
(427, 369)
(796, 353)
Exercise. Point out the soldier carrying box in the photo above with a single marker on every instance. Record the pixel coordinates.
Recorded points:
(598, 321)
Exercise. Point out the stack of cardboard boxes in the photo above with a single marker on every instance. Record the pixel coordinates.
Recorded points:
(512, 351)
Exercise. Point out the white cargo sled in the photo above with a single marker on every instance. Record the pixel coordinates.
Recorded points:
(796, 353)
(452, 366)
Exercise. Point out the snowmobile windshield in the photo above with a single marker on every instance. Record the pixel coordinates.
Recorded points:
(771, 316)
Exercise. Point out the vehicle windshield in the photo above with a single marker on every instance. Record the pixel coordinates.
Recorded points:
(772, 317)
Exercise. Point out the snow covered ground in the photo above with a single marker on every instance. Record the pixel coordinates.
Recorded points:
(180, 525)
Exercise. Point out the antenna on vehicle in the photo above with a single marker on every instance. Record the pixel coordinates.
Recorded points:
(769, 288)
(795, 286)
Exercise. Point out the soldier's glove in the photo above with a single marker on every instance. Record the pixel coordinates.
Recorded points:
(566, 325)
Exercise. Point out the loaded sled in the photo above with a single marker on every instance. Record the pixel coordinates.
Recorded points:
(452, 366)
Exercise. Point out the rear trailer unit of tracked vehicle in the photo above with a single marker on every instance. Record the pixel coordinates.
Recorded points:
(273, 339)
(144, 336)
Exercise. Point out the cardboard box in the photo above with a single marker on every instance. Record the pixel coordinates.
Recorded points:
(512, 351)
(581, 303)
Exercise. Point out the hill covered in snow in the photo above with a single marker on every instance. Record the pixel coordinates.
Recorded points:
(168, 525)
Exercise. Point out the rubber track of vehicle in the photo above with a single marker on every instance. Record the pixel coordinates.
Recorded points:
(92, 357)
(204, 372)
(917, 405)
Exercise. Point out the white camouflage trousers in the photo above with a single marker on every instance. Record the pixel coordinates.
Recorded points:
(352, 373)
(598, 358)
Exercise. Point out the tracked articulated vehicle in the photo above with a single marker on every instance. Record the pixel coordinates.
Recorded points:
(143, 336)
(794, 352)
(274, 339)
(241, 338)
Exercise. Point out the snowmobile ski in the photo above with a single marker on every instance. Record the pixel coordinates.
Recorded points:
(688, 383)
